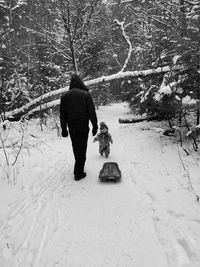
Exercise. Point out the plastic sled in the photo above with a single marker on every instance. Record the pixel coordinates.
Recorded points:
(110, 172)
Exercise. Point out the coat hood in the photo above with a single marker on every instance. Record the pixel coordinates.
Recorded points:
(76, 82)
(103, 126)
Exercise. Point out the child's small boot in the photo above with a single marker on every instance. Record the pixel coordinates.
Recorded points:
(101, 151)
(106, 154)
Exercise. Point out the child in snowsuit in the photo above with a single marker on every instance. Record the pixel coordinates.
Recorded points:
(104, 138)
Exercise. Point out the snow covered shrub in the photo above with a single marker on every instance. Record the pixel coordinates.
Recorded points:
(150, 98)
(45, 78)
(168, 105)
(53, 120)
(12, 142)
(13, 85)
(130, 88)
(18, 140)
(148, 104)
(17, 94)
(175, 95)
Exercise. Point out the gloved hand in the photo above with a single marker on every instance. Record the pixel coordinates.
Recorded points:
(64, 133)
(94, 131)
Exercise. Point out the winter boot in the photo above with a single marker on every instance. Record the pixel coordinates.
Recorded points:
(79, 177)
(106, 154)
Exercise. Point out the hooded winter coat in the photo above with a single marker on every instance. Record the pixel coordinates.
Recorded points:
(76, 110)
(77, 105)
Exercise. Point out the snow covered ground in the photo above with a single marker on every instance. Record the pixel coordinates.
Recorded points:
(150, 219)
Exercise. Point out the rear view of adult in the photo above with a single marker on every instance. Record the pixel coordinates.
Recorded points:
(76, 110)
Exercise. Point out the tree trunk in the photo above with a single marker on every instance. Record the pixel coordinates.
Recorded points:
(52, 98)
(183, 18)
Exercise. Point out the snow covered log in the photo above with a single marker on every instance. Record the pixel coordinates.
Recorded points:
(39, 102)
(138, 119)
(169, 132)
(121, 75)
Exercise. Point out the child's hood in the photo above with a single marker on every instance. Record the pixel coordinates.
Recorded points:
(103, 125)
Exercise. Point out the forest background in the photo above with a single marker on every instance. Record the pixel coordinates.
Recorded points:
(143, 52)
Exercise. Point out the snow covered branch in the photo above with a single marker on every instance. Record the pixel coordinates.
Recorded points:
(193, 3)
(121, 24)
(52, 98)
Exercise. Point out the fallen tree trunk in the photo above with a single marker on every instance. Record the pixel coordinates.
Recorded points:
(55, 95)
(139, 119)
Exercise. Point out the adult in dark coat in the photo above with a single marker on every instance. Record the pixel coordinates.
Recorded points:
(76, 110)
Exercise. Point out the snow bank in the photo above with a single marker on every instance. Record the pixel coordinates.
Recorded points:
(151, 218)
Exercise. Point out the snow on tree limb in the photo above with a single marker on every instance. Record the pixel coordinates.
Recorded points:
(51, 98)
(37, 102)
(121, 75)
(121, 24)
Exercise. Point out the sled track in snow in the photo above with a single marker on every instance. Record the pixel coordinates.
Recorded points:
(33, 219)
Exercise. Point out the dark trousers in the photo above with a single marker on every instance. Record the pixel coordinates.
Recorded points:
(79, 137)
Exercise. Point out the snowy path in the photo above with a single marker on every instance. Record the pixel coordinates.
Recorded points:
(149, 219)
